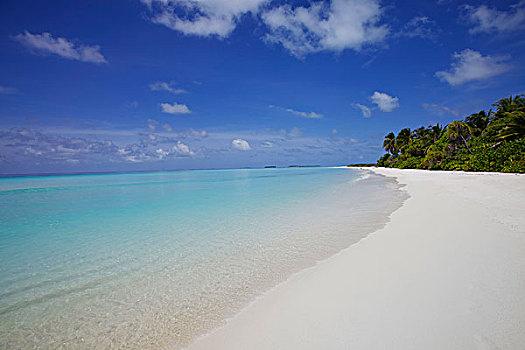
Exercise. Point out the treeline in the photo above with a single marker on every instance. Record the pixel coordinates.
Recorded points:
(492, 140)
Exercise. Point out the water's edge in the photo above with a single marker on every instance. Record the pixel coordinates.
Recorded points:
(158, 262)
(261, 295)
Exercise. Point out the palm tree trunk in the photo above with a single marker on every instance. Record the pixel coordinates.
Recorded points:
(465, 142)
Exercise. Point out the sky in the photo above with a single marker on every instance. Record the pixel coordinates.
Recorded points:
(124, 85)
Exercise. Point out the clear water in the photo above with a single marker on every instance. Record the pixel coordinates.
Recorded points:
(152, 260)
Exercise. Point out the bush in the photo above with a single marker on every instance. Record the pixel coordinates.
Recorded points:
(508, 156)
(384, 160)
(411, 163)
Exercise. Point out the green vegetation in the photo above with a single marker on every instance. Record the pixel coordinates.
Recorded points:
(361, 165)
(484, 141)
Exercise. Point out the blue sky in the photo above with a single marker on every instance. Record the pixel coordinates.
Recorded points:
(166, 84)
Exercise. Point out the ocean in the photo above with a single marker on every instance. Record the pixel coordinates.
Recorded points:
(154, 260)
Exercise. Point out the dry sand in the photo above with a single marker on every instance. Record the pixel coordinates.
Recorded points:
(447, 272)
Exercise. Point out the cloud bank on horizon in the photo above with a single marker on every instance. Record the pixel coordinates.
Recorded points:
(335, 74)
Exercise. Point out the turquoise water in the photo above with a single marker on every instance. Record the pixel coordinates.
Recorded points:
(152, 260)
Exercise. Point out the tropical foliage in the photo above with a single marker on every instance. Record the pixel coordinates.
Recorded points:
(484, 141)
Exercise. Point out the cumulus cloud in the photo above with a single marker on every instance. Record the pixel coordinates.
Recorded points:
(162, 153)
(45, 43)
(385, 102)
(241, 145)
(21, 145)
(333, 26)
(23, 150)
(179, 148)
(364, 109)
(201, 17)
(183, 149)
(469, 65)
(174, 108)
(164, 86)
(487, 20)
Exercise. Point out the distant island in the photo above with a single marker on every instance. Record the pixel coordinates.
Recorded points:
(492, 140)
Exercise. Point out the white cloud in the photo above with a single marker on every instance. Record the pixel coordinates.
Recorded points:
(152, 125)
(197, 133)
(272, 146)
(486, 20)
(420, 27)
(334, 132)
(201, 17)
(163, 86)
(241, 145)
(439, 109)
(45, 43)
(179, 149)
(385, 102)
(162, 153)
(6, 90)
(31, 150)
(327, 25)
(295, 132)
(339, 25)
(174, 108)
(183, 149)
(311, 115)
(167, 127)
(364, 109)
(470, 65)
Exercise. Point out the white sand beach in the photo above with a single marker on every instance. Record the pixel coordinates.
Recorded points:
(447, 272)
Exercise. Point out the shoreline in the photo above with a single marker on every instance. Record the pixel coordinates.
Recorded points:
(461, 285)
(271, 228)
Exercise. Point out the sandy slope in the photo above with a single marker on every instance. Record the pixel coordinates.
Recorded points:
(448, 272)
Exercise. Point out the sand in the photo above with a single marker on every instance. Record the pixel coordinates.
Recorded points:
(447, 272)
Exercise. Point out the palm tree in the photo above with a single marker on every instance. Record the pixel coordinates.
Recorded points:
(513, 127)
(402, 139)
(460, 133)
(436, 131)
(478, 121)
(419, 133)
(390, 143)
(508, 104)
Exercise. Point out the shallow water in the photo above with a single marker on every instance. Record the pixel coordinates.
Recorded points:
(152, 260)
